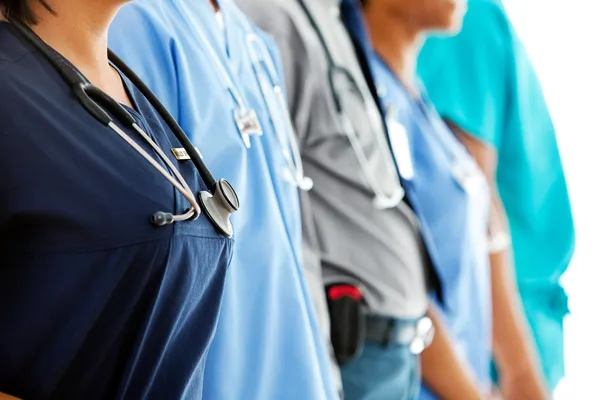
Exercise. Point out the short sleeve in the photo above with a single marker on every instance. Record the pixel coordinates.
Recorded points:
(140, 40)
(467, 76)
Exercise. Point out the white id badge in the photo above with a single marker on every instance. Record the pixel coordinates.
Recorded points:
(401, 149)
(467, 176)
(247, 123)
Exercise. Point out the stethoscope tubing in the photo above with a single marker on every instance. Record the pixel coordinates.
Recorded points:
(98, 104)
(293, 159)
(381, 200)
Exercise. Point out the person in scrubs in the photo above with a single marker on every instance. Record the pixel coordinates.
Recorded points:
(96, 302)
(443, 182)
(441, 169)
(220, 77)
(484, 85)
(375, 250)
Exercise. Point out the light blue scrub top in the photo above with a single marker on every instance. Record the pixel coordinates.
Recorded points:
(455, 209)
(484, 82)
(267, 344)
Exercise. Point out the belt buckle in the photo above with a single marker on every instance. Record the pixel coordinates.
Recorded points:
(424, 333)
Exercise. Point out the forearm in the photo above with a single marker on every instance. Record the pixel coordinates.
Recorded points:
(513, 349)
(443, 371)
(512, 345)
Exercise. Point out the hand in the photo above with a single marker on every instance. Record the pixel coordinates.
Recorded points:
(523, 386)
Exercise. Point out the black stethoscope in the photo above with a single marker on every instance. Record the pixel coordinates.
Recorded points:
(218, 203)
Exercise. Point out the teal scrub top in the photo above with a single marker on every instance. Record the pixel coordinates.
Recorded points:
(483, 81)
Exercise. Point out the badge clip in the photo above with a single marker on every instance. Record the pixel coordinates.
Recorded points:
(182, 155)
(248, 124)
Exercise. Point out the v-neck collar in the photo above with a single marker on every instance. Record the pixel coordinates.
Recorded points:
(200, 18)
(225, 29)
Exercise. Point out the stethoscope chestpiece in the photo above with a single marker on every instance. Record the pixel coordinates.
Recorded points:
(384, 202)
(219, 206)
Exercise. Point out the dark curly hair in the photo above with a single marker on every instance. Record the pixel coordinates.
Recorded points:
(19, 9)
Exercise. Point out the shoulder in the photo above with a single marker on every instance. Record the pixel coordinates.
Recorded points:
(489, 7)
(486, 19)
(12, 92)
(284, 20)
(27, 80)
(143, 35)
(486, 33)
(250, 20)
(151, 10)
(486, 24)
(142, 20)
(12, 50)
(265, 10)
(21, 82)
(32, 100)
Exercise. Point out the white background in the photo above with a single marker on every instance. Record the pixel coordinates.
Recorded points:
(563, 39)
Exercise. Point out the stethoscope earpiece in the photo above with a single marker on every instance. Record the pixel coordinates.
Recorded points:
(219, 206)
(160, 218)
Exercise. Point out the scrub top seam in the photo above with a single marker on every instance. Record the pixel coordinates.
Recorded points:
(217, 62)
(123, 246)
(6, 61)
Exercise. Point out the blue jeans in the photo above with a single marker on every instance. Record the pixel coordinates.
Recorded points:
(382, 373)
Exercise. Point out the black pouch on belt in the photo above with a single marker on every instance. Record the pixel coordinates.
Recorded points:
(348, 321)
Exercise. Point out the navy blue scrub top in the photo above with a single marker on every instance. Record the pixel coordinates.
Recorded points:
(95, 301)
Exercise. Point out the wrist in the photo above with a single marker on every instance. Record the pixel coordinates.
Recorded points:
(515, 357)
(519, 367)
(524, 384)
(463, 390)
(522, 374)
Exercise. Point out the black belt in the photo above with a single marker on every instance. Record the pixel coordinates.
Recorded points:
(416, 334)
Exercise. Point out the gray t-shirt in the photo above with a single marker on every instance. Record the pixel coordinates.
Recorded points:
(345, 235)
